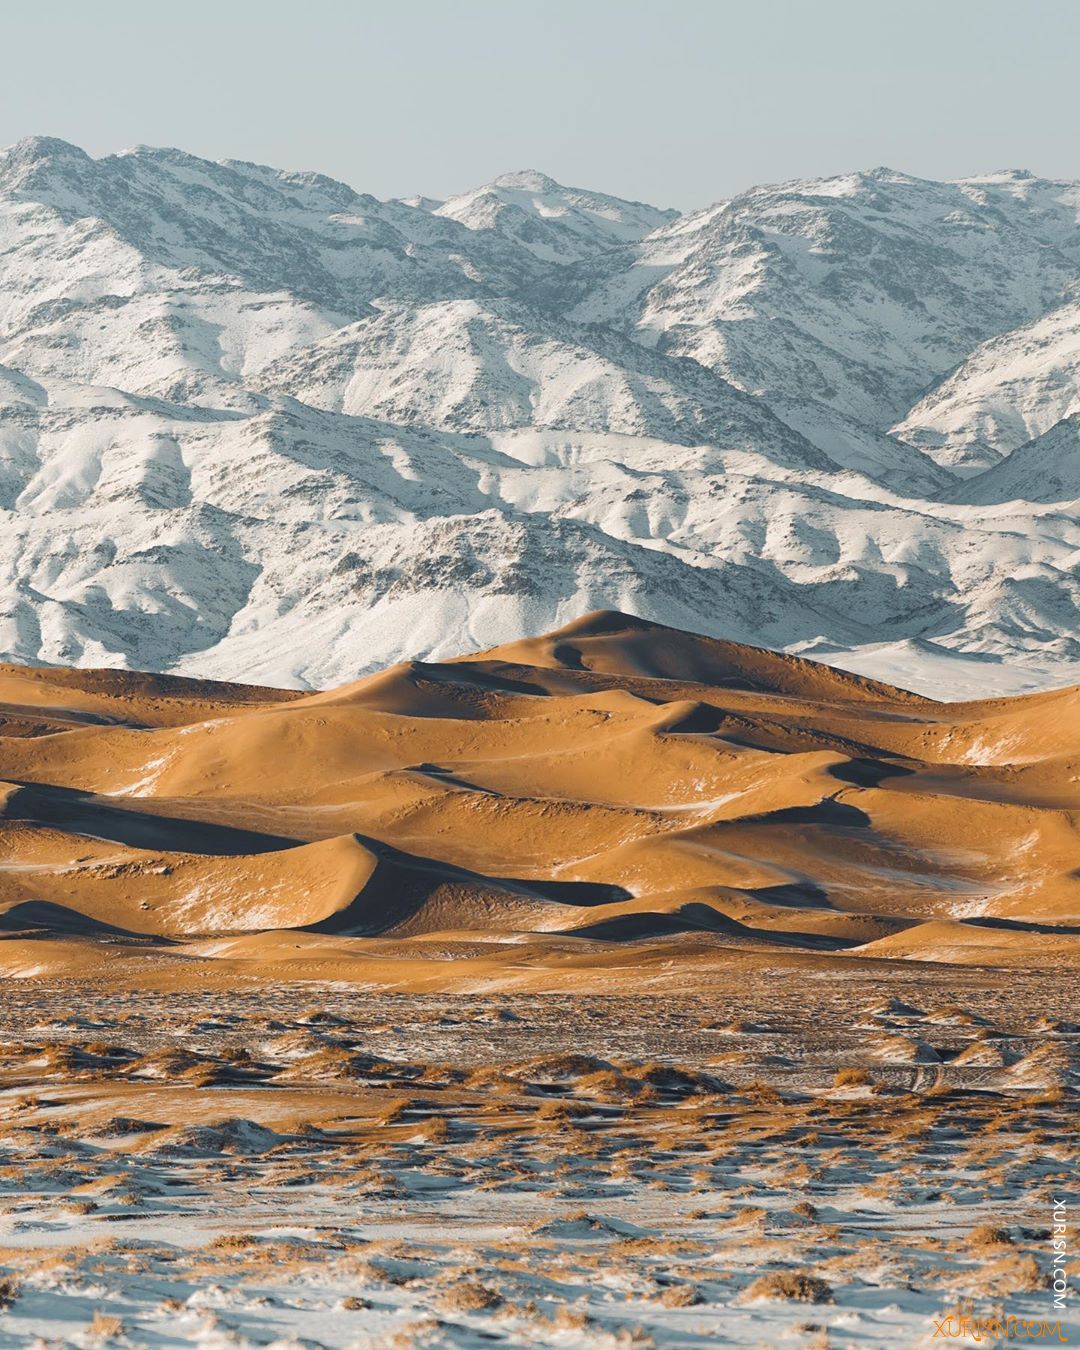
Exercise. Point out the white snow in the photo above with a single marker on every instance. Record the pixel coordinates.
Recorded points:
(259, 426)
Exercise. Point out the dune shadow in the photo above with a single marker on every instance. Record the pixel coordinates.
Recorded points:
(43, 918)
(83, 813)
(699, 918)
(704, 720)
(470, 675)
(794, 895)
(45, 712)
(830, 812)
(403, 883)
(1022, 926)
(869, 773)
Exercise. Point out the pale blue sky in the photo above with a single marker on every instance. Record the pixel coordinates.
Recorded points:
(679, 102)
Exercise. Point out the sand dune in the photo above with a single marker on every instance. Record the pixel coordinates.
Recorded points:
(603, 795)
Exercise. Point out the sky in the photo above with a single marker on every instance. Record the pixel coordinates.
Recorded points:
(677, 102)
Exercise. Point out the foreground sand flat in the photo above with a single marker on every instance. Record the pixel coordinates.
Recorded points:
(808, 1162)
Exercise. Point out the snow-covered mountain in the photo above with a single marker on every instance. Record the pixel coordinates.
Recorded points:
(1008, 391)
(260, 426)
(554, 223)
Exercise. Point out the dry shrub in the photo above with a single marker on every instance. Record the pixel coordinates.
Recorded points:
(391, 1114)
(412, 1334)
(436, 1130)
(851, 1078)
(680, 1296)
(570, 1319)
(105, 1326)
(470, 1296)
(9, 1291)
(234, 1242)
(1012, 1274)
(749, 1214)
(763, 1093)
(988, 1235)
(609, 1085)
(952, 1012)
(794, 1285)
(819, 1340)
(559, 1068)
(651, 1246)
(561, 1112)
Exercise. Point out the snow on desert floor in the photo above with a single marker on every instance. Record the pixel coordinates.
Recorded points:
(801, 1156)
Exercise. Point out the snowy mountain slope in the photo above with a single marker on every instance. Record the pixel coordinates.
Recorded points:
(302, 233)
(1008, 391)
(260, 426)
(1044, 469)
(554, 223)
(844, 298)
(467, 365)
(218, 542)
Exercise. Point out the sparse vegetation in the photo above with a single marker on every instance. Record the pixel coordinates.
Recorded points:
(658, 1129)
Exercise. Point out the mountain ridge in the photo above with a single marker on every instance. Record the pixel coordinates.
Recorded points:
(258, 425)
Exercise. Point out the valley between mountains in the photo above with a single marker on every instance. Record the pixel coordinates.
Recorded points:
(256, 425)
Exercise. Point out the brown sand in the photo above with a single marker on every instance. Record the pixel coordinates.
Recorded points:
(613, 803)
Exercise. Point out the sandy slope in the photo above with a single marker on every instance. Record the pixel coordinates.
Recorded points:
(615, 800)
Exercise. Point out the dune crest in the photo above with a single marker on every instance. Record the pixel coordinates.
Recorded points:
(600, 795)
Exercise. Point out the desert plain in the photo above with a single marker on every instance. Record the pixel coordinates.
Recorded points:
(615, 986)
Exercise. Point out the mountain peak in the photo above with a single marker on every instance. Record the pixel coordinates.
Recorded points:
(881, 173)
(35, 150)
(527, 180)
(38, 147)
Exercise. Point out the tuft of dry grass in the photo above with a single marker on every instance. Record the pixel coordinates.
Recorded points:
(570, 1319)
(469, 1296)
(234, 1242)
(794, 1285)
(1012, 1274)
(749, 1215)
(988, 1235)
(434, 1130)
(680, 1296)
(105, 1327)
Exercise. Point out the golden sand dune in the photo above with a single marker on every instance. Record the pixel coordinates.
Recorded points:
(614, 794)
